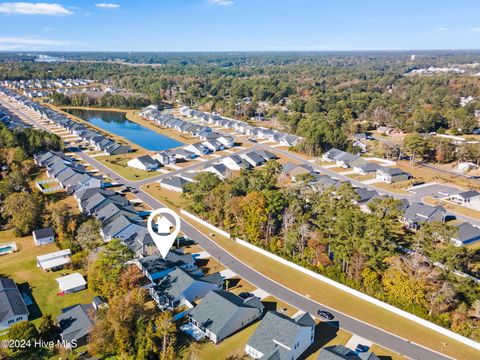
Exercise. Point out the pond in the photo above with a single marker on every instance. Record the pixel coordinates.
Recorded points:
(116, 122)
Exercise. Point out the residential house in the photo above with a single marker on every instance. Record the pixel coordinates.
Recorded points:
(253, 158)
(12, 306)
(145, 162)
(293, 171)
(43, 236)
(465, 234)
(76, 323)
(183, 154)
(198, 149)
(180, 287)
(281, 337)
(221, 314)
(417, 214)
(165, 158)
(366, 169)
(155, 267)
(235, 162)
(173, 183)
(470, 198)
(219, 170)
(391, 175)
(331, 154)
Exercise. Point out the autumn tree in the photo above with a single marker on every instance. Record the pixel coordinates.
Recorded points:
(24, 211)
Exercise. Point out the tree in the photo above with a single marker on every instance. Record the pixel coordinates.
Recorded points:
(105, 271)
(23, 330)
(414, 146)
(165, 334)
(24, 211)
(88, 234)
(47, 328)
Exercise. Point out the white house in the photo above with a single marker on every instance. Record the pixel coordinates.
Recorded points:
(174, 183)
(281, 337)
(145, 162)
(43, 236)
(226, 140)
(12, 306)
(221, 314)
(71, 283)
(55, 260)
(198, 149)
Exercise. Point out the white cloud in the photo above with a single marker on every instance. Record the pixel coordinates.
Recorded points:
(476, 29)
(24, 8)
(221, 2)
(441, 29)
(107, 6)
(30, 41)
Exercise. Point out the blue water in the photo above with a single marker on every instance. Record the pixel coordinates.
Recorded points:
(6, 249)
(116, 123)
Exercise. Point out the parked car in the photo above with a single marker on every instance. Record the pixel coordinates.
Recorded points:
(132, 190)
(325, 314)
(252, 140)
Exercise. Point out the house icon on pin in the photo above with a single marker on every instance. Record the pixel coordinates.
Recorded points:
(163, 225)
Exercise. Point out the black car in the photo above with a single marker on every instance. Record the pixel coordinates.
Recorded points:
(325, 314)
(245, 295)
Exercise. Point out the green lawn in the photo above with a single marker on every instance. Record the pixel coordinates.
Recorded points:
(118, 163)
(22, 268)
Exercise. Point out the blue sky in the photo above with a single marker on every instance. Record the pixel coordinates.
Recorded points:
(229, 25)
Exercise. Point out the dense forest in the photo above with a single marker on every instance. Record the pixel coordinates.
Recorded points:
(364, 251)
(324, 97)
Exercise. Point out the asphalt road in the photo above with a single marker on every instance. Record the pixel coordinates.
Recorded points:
(300, 301)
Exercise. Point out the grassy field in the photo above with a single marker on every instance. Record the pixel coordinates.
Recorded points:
(21, 266)
(361, 177)
(395, 188)
(118, 163)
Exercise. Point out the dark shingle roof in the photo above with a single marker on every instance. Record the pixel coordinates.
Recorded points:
(11, 302)
(43, 233)
(278, 328)
(75, 321)
(217, 309)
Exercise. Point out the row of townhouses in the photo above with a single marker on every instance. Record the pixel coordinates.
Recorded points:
(84, 133)
(242, 127)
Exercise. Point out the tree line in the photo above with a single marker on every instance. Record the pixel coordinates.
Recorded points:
(361, 250)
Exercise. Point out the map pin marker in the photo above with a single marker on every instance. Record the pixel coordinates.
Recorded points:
(165, 239)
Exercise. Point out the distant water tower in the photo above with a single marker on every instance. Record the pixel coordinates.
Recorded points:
(412, 57)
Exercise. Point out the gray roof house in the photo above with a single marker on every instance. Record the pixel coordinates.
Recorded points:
(174, 183)
(76, 323)
(180, 287)
(468, 197)
(365, 169)
(253, 158)
(340, 352)
(465, 234)
(417, 214)
(281, 337)
(155, 266)
(12, 306)
(220, 314)
(392, 175)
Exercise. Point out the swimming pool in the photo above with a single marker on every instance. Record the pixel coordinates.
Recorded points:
(7, 248)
